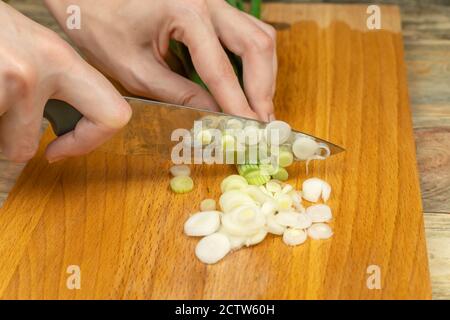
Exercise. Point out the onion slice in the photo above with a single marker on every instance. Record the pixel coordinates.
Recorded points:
(208, 205)
(294, 237)
(256, 238)
(277, 128)
(269, 208)
(315, 188)
(283, 200)
(273, 186)
(304, 148)
(202, 223)
(243, 221)
(319, 213)
(180, 170)
(320, 231)
(273, 226)
(233, 182)
(257, 194)
(212, 248)
(233, 199)
(293, 220)
(236, 242)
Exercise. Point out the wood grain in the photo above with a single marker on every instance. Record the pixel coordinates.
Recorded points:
(438, 242)
(434, 157)
(115, 218)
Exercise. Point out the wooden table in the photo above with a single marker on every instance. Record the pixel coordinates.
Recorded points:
(428, 58)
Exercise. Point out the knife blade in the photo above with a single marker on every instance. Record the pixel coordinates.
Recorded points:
(150, 127)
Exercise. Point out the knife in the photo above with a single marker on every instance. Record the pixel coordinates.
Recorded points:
(151, 126)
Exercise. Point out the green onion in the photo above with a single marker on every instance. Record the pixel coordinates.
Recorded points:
(181, 184)
(240, 5)
(233, 182)
(285, 158)
(281, 174)
(255, 8)
(243, 169)
(257, 178)
(182, 53)
(270, 169)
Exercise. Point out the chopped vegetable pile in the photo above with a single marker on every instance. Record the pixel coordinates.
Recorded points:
(249, 212)
(258, 201)
(247, 142)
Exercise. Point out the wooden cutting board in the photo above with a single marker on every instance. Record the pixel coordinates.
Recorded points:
(115, 218)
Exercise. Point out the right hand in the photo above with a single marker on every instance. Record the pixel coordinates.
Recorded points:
(37, 65)
(129, 41)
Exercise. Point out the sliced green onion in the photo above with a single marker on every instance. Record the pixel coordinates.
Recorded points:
(233, 182)
(243, 169)
(181, 184)
(182, 53)
(284, 201)
(281, 174)
(208, 205)
(204, 137)
(228, 142)
(233, 199)
(257, 194)
(210, 121)
(285, 158)
(234, 124)
(257, 178)
(277, 132)
(180, 170)
(270, 169)
(251, 154)
(273, 186)
(304, 148)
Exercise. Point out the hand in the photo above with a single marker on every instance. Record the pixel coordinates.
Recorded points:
(35, 65)
(129, 41)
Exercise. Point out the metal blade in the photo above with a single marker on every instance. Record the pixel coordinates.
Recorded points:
(153, 123)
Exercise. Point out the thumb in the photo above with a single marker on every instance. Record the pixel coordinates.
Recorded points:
(103, 108)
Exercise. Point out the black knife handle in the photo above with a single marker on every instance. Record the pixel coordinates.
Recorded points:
(62, 116)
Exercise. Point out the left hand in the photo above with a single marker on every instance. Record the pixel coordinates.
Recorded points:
(129, 41)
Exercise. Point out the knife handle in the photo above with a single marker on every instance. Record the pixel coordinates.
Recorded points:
(62, 116)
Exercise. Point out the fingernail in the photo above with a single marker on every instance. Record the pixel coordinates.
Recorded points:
(272, 117)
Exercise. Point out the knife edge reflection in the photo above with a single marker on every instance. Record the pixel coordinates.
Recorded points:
(153, 123)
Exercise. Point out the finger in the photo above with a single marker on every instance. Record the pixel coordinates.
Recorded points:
(213, 65)
(156, 81)
(12, 85)
(271, 32)
(256, 47)
(105, 112)
(20, 129)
